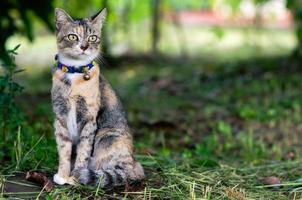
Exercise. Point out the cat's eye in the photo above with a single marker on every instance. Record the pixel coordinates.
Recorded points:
(72, 37)
(92, 38)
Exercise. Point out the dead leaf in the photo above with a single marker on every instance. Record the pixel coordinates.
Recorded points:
(40, 179)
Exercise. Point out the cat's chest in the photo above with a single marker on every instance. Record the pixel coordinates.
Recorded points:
(84, 100)
(72, 121)
(81, 95)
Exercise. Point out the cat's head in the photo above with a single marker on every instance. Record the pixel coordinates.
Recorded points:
(78, 39)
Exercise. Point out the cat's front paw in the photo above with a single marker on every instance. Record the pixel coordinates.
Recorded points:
(64, 180)
(59, 179)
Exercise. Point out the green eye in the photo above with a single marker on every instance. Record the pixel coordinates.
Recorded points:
(93, 38)
(72, 37)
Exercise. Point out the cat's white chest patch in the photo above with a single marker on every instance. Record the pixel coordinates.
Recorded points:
(72, 76)
(72, 124)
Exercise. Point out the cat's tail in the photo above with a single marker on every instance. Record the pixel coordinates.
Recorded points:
(112, 177)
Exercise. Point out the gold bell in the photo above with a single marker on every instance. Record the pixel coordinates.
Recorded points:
(86, 76)
(64, 69)
(85, 70)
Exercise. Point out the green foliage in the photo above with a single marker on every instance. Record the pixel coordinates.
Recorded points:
(296, 8)
(18, 16)
(234, 4)
(10, 116)
(179, 5)
(130, 11)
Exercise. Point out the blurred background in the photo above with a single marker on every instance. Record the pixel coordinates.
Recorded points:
(210, 29)
(200, 79)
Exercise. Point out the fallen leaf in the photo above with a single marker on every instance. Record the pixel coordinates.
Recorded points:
(40, 179)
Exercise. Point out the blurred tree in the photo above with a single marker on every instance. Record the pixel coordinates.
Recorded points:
(296, 7)
(105, 42)
(16, 17)
(155, 11)
(179, 5)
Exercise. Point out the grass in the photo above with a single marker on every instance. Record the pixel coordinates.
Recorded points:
(205, 134)
(202, 129)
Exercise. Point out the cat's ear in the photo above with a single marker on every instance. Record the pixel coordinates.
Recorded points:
(61, 18)
(98, 19)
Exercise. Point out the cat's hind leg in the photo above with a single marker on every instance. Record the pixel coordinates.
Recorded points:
(112, 163)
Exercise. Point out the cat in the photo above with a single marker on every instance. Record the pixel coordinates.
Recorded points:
(90, 122)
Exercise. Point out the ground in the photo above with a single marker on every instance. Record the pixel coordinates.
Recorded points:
(203, 129)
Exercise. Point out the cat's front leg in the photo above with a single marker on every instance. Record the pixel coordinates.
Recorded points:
(64, 145)
(84, 148)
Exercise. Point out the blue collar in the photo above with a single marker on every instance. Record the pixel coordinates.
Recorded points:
(72, 69)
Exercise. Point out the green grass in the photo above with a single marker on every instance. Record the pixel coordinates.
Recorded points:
(199, 133)
(211, 128)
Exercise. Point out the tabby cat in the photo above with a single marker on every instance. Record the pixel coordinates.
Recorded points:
(93, 139)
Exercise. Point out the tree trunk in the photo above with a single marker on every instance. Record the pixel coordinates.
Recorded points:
(295, 7)
(181, 37)
(155, 11)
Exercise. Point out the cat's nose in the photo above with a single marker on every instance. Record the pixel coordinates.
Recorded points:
(84, 47)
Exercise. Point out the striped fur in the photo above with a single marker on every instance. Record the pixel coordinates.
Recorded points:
(93, 138)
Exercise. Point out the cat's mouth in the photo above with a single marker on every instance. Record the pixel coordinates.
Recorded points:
(83, 53)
